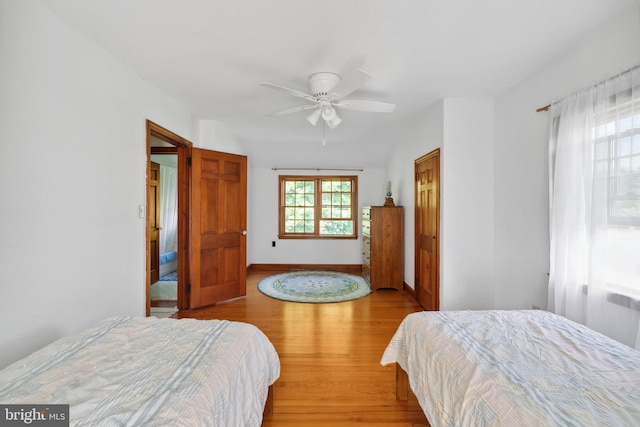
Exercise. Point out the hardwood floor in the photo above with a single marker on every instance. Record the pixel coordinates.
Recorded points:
(330, 356)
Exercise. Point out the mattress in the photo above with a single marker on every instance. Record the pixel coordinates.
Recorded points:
(148, 371)
(507, 368)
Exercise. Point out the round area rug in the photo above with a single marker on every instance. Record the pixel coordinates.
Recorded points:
(314, 286)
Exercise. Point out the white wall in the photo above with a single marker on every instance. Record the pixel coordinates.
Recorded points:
(263, 221)
(463, 130)
(521, 155)
(213, 135)
(423, 134)
(72, 141)
(466, 200)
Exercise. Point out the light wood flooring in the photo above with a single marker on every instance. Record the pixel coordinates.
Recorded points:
(330, 356)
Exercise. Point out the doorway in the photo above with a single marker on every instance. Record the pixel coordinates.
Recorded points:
(163, 233)
(211, 224)
(164, 143)
(427, 230)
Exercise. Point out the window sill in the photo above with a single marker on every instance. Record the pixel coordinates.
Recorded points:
(314, 237)
(618, 298)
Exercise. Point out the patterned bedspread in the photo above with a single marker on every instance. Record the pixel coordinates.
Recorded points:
(513, 368)
(148, 371)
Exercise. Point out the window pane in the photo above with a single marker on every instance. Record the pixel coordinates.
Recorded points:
(290, 187)
(326, 186)
(336, 227)
(308, 213)
(626, 208)
(289, 213)
(309, 187)
(635, 164)
(624, 146)
(289, 226)
(625, 124)
(623, 166)
(636, 142)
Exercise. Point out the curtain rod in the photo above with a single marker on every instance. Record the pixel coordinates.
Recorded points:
(316, 169)
(546, 107)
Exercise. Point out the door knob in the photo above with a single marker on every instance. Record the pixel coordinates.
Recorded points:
(244, 232)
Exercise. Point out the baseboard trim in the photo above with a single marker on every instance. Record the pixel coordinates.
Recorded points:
(408, 289)
(344, 268)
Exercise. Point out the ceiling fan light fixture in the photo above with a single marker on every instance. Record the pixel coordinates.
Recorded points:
(334, 122)
(329, 113)
(314, 116)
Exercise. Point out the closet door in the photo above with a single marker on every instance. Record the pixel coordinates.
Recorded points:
(427, 231)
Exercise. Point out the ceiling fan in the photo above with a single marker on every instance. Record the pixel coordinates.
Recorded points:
(328, 92)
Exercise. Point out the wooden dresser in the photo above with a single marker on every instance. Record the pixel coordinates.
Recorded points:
(382, 247)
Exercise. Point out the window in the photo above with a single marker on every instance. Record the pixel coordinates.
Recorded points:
(617, 156)
(318, 207)
(617, 190)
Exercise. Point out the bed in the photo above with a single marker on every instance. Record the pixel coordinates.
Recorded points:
(148, 371)
(168, 266)
(506, 368)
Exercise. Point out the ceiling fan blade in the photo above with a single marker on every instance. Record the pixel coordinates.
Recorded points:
(364, 105)
(294, 109)
(349, 84)
(287, 90)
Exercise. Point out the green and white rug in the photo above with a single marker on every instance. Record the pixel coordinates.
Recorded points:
(314, 286)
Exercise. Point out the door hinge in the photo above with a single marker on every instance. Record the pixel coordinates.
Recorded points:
(188, 161)
(188, 288)
(417, 176)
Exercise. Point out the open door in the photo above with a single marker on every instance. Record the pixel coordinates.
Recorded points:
(154, 221)
(218, 227)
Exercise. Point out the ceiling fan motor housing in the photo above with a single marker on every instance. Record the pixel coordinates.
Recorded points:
(322, 83)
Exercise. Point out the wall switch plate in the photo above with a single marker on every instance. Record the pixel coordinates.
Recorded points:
(273, 243)
(141, 211)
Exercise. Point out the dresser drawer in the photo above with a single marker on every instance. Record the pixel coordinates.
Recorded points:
(366, 213)
(366, 273)
(366, 228)
(366, 258)
(366, 243)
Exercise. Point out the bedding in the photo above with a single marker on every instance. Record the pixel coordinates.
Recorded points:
(507, 368)
(148, 371)
(168, 266)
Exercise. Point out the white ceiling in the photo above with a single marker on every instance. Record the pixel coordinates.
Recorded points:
(212, 55)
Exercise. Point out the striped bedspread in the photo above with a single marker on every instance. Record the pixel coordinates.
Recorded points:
(515, 368)
(148, 371)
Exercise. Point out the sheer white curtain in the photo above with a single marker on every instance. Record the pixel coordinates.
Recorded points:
(168, 209)
(595, 207)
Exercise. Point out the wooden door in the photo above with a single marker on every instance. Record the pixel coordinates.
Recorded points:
(218, 227)
(154, 222)
(427, 231)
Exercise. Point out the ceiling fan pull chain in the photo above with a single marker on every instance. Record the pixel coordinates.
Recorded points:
(324, 140)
